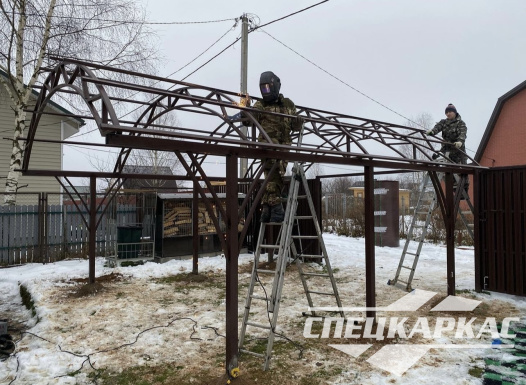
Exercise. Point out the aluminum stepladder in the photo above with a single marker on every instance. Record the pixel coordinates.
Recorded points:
(427, 202)
(269, 292)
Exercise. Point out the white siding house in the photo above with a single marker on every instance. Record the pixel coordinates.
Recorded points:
(44, 155)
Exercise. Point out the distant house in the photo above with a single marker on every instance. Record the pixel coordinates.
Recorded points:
(504, 141)
(84, 190)
(47, 156)
(160, 184)
(357, 191)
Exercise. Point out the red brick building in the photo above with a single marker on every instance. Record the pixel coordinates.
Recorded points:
(500, 253)
(504, 141)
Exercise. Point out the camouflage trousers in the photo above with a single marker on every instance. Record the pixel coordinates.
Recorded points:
(272, 195)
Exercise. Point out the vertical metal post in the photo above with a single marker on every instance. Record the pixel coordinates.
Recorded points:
(243, 164)
(476, 230)
(450, 234)
(92, 226)
(195, 231)
(232, 254)
(370, 277)
(45, 228)
(41, 227)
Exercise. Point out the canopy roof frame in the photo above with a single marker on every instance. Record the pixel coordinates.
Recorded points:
(327, 137)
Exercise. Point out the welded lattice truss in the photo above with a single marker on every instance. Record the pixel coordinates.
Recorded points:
(327, 137)
(216, 129)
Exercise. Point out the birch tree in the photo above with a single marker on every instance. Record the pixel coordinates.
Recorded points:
(111, 32)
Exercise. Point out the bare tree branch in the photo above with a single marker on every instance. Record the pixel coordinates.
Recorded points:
(111, 31)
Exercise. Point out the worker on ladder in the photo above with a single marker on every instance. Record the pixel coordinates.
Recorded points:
(278, 128)
(454, 132)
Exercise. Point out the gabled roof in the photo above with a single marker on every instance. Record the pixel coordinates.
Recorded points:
(166, 185)
(52, 104)
(136, 169)
(494, 117)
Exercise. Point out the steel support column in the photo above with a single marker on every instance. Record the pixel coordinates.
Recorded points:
(476, 230)
(195, 231)
(370, 277)
(41, 226)
(232, 254)
(92, 227)
(450, 234)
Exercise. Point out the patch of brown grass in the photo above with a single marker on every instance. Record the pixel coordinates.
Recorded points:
(112, 277)
(87, 290)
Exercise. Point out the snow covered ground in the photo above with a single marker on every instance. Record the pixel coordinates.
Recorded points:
(67, 328)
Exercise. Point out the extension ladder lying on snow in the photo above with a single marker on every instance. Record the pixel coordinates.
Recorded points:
(269, 291)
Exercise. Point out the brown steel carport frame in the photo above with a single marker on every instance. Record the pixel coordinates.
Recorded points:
(327, 137)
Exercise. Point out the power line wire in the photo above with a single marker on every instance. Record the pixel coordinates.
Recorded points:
(222, 51)
(291, 14)
(124, 21)
(187, 64)
(213, 57)
(252, 30)
(340, 80)
(173, 73)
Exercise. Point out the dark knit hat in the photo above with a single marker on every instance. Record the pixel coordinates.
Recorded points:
(451, 107)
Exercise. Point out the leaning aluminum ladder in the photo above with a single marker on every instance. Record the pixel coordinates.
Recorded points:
(270, 293)
(427, 202)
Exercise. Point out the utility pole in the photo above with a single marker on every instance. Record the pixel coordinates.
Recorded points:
(243, 162)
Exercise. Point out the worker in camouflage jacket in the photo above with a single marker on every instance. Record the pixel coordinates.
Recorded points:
(454, 133)
(278, 128)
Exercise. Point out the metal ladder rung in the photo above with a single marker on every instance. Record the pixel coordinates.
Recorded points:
(256, 325)
(286, 248)
(316, 275)
(427, 200)
(308, 256)
(259, 355)
(266, 271)
(320, 293)
(305, 237)
(259, 297)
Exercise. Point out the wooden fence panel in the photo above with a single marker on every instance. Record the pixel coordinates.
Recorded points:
(65, 235)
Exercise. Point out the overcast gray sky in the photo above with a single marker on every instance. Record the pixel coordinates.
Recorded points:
(413, 56)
